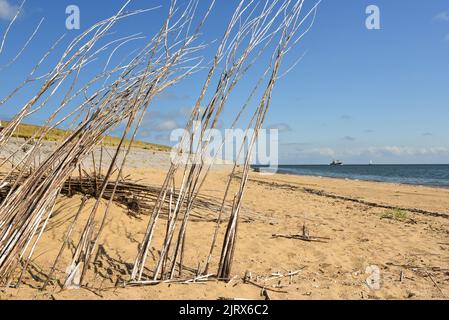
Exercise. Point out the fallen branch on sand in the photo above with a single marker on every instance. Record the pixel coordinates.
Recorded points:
(264, 287)
(418, 268)
(233, 299)
(301, 237)
(435, 283)
(277, 276)
(305, 236)
(248, 279)
(199, 279)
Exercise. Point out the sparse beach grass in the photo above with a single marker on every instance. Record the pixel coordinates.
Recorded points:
(395, 214)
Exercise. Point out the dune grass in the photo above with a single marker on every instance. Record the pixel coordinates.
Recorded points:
(26, 131)
(395, 214)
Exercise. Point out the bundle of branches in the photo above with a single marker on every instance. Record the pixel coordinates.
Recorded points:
(164, 61)
(255, 28)
(135, 196)
(251, 31)
(288, 38)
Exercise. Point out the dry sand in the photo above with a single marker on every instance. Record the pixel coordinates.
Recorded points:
(416, 246)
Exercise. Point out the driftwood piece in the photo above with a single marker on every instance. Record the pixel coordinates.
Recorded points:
(195, 280)
(435, 283)
(290, 274)
(264, 287)
(301, 237)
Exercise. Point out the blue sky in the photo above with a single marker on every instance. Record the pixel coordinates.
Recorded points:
(357, 95)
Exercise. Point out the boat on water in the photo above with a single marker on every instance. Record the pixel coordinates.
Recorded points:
(336, 163)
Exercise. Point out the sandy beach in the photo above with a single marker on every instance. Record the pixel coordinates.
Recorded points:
(352, 219)
(113, 115)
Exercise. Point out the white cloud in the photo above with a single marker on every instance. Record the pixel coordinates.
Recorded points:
(394, 151)
(282, 127)
(306, 154)
(404, 151)
(167, 125)
(7, 10)
(442, 16)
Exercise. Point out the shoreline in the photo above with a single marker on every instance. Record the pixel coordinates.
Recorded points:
(367, 180)
(436, 186)
(398, 194)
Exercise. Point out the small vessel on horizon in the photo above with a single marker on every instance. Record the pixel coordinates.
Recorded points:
(336, 163)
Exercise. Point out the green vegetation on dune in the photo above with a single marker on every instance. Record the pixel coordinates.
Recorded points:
(26, 131)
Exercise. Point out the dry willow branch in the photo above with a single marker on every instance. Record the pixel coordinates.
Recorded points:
(232, 40)
(5, 34)
(250, 32)
(164, 61)
(292, 23)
